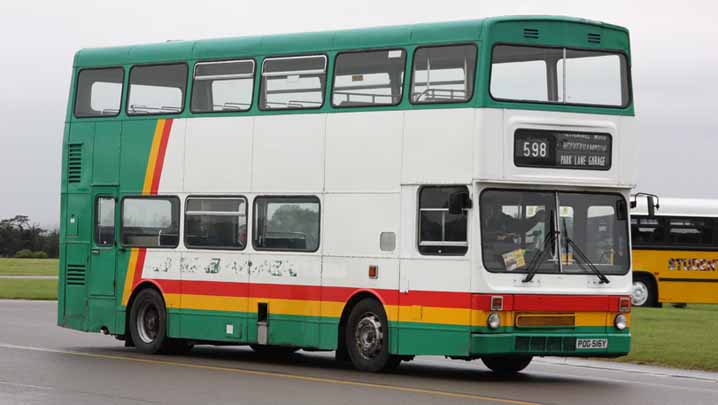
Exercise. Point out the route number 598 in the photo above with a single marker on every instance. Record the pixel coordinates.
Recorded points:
(535, 149)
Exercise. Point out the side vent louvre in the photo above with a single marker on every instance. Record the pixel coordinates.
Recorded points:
(594, 38)
(74, 162)
(75, 274)
(531, 33)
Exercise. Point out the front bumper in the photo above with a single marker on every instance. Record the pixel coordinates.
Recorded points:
(548, 344)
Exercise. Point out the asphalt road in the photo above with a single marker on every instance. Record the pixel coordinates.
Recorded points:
(41, 363)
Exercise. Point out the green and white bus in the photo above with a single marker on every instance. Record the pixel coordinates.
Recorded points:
(453, 189)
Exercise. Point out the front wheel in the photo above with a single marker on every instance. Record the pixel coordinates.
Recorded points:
(148, 322)
(367, 337)
(642, 294)
(507, 365)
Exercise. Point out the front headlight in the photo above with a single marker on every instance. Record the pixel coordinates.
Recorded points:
(494, 321)
(620, 322)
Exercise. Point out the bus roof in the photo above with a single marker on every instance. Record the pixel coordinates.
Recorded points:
(682, 207)
(555, 30)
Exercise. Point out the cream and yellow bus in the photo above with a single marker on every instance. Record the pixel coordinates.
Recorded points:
(675, 252)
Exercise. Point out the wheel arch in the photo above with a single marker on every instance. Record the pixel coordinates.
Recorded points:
(650, 278)
(147, 284)
(356, 297)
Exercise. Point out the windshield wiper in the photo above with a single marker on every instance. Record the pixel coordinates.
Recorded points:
(583, 257)
(536, 261)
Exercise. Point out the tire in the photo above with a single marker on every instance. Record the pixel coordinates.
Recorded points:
(270, 350)
(367, 337)
(148, 322)
(643, 293)
(506, 365)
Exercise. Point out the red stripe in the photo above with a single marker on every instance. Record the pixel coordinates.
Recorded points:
(161, 156)
(139, 265)
(533, 302)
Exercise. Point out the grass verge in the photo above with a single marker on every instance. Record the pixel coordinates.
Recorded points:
(28, 267)
(23, 288)
(675, 337)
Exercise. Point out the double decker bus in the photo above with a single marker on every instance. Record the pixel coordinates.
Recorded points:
(675, 252)
(454, 189)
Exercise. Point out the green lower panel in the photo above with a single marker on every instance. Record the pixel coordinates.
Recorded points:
(432, 339)
(221, 327)
(289, 330)
(548, 344)
(101, 313)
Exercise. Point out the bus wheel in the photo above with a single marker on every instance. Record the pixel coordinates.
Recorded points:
(367, 337)
(148, 322)
(507, 365)
(643, 294)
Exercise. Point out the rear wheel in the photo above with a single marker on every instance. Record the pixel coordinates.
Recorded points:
(507, 365)
(148, 322)
(367, 337)
(643, 293)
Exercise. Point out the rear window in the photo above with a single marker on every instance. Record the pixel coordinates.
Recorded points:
(99, 92)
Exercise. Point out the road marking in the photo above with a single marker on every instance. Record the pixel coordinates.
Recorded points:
(275, 374)
(12, 384)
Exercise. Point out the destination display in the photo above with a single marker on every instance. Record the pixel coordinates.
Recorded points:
(562, 149)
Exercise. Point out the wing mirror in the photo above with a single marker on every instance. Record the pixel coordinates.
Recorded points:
(458, 202)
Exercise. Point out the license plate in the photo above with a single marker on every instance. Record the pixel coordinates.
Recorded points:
(591, 344)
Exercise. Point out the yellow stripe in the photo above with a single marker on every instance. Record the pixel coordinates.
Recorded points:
(152, 159)
(332, 309)
(129, 277)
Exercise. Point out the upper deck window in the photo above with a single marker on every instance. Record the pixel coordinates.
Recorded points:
(559, 75)
(368, 78)
(223, 86)
(157, 89)
(443, 74)
(99, 92)
(293, 82)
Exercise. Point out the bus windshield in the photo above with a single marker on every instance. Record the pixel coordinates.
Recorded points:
(559, 75)
(517, 226)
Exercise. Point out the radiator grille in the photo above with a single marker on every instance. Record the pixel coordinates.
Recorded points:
(546, 344)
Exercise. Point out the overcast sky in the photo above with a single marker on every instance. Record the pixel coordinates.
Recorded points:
(675, 67)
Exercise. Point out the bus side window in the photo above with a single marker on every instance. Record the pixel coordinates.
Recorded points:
(443, 74)
(99, 92)
(222, 86)
(157, 89)
(150, 222)
(286, 223)
(368, 78)
(295, 82)
(440, 232)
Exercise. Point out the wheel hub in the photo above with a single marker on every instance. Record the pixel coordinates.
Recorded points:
(369, 336)
(148, 323)
(640, 293)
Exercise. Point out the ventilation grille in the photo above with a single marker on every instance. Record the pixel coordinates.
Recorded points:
(74, 163)
(75, 274)
(594, 38)
(546, 344)
(531, 33)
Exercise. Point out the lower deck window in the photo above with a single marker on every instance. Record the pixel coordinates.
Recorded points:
(440, 232)
(286, 223)
(216, 223)
(150, 222)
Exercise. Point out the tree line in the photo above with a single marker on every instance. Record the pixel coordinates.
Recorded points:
(20, 238)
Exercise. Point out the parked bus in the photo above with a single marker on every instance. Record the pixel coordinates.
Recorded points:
(675, 252)
(455, 189)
